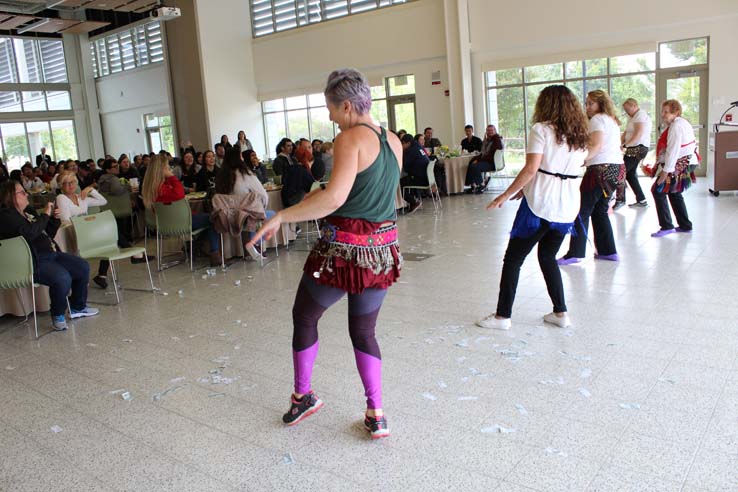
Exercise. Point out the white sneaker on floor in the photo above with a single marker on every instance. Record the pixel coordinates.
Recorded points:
(562, 322)
(493, 323)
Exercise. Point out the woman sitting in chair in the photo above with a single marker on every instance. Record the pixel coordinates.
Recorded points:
(59, 271)
(236, 177)
(162, 186)
(71, 204)
(485, 162)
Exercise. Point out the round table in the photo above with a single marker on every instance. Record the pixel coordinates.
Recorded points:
(456, 172)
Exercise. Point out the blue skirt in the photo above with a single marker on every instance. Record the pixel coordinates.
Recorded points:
(526, 223)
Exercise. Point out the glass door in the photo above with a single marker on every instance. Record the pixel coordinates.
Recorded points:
(402, 114)
(689, 87)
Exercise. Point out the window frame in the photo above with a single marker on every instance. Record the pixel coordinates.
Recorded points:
(304, 13)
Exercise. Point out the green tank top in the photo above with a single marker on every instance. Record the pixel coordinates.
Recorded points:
(372, 197)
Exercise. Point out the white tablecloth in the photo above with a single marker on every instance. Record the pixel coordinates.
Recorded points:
(456, 172)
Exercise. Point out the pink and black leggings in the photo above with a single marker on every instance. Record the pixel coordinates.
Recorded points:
(311, 301)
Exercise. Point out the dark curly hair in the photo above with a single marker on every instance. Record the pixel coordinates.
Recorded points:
(559, 107)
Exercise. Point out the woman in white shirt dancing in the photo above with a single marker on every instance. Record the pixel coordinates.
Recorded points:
(605, 170)
(548, 186)
(676, 159)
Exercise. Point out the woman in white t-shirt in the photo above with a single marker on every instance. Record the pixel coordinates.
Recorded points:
(605, 170)
(636, 142)
(548, 186)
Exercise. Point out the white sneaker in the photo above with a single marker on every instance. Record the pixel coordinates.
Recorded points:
(562, 322)
(493, 323)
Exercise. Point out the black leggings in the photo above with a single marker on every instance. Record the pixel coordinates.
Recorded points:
(549, 241)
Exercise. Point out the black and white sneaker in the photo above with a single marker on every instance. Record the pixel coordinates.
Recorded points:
(618, 205)
(641, 204)
(302, 408)
(376, 426)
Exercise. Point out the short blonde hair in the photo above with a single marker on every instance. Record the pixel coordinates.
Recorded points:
(67, 176)
(630, 102)
(326, 146)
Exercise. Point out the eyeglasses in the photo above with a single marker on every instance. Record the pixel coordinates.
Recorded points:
(21, 192)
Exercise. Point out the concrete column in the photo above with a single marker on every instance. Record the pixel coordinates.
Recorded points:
(458, 56)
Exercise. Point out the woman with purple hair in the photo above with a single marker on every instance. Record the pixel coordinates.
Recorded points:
(358, 253)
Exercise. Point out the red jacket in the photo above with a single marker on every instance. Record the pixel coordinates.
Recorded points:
(171, 190)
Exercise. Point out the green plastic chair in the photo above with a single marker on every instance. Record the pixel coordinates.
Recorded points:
(432, 187)
(120, 205)
(175, 220)
(94, 209)
(97, 238)
(16, 271)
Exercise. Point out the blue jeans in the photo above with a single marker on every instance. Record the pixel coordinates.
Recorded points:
(62, 271)
(269, 214)
(203, 220)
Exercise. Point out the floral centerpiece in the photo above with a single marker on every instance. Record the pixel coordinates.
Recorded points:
(444, 152)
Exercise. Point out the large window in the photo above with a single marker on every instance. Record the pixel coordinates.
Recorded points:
(297, 117)
(22, 141)
(34, 80)
(159, 132)
(126, 50)
(512, 93)
(270, 16)
(393, 106)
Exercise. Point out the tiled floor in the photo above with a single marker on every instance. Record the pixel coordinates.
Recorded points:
(640, 395)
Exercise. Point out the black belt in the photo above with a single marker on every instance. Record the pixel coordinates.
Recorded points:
(558, 175)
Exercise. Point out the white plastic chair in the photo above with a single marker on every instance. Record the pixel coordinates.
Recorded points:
(432, 187)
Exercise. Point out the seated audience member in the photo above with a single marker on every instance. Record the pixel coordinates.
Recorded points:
(430, 141)
(420, 140)
(145, 161)
(237, 178)
(4, 175)
(59, 271)
(85, 177)
(109, 183)
(219, 154)
(49, 174)
(401, 133)
(284, 157)
(16, 175)
(296, 181)
(471, 143)
(327, 153)
(208, 173)
(252, 160)
(189, 172)
(415, 166)
(304, 155)
(30, 181)
(317, 147)
(198, 159)
(137, 161)
(484, 162)
(162, 186)
(126, 169)
(225, 143)
(71, 204)
(244, 143)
